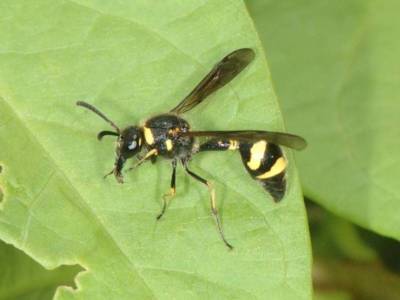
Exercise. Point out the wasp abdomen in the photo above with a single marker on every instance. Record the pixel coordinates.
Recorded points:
(265, 163)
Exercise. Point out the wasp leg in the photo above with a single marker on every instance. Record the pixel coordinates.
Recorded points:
(152, 152)
(118, 165)
(213, 203)
(152, 158)
(171, 192)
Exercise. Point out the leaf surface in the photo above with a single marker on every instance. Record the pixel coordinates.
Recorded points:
(133, 61)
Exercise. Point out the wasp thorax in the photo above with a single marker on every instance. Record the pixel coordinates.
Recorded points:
(129, 142)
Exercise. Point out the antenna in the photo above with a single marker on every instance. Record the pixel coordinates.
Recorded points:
(99, 113)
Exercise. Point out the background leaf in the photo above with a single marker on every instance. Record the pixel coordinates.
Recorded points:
(350, 262)
(24, 279)
(337, 72)
(132, 62)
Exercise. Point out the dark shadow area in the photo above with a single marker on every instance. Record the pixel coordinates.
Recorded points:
(387, 248)
(352, 261)
(22, 278)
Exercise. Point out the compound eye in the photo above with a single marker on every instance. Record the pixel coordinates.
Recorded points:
(132, 145)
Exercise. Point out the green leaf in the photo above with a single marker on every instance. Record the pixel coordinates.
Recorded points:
(22, 278)
(133, 60)
(337, 73)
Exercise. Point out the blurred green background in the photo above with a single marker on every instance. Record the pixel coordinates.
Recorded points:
(336, 70)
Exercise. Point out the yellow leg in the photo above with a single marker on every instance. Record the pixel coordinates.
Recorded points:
(213, 204)
(147, 156)
(166, 198)
(214, 210)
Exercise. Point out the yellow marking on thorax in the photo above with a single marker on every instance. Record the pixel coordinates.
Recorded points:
(233, 145)
(257, 153)
(169, 145)
(148, 135)
(277, 168)
(174, 131)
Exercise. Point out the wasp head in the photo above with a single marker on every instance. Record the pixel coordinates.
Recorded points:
(129, 141)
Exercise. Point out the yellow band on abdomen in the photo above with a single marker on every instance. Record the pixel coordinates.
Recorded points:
(277, 168)
(257, 153)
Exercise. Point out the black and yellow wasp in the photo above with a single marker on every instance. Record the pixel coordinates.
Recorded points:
(170, 136)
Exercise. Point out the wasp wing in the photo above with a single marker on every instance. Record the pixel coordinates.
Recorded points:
(222, 73)
(280, 138)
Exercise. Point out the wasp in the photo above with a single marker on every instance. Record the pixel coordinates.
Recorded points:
(169, 135)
